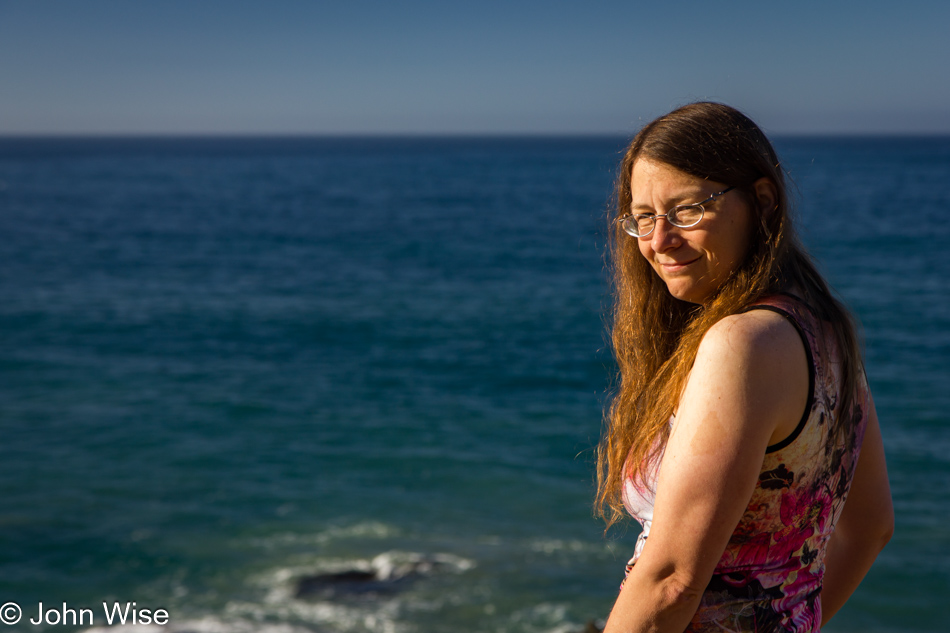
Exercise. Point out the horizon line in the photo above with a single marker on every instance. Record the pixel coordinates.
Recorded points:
(4, 136)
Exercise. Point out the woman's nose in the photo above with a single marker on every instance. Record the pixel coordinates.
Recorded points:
(665, 236)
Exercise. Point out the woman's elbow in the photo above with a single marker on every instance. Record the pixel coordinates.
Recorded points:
(887, 528)
(879, 529)
(680, 592)
(869, 531)
(647, 602)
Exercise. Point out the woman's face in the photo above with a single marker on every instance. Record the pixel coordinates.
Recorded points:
(695, 262)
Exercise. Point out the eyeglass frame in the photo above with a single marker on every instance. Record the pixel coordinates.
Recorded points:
(702, 214)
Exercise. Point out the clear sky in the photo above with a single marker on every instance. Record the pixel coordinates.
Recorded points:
(444, 66)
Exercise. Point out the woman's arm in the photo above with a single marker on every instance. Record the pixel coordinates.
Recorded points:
(749, 382)
(865, 526)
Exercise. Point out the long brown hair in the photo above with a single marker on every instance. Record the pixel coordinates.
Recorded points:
(655, 336)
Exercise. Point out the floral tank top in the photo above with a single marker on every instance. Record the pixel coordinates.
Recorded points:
(769, 577)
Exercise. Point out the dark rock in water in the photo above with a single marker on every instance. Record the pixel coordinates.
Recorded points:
(384, 578)
(345, 583)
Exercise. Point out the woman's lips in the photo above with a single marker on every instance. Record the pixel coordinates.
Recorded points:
(672, 267)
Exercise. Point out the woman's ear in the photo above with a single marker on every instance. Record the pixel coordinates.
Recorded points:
(766, 195)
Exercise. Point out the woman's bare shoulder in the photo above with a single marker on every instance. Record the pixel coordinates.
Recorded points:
(761, 335)
(755, 364)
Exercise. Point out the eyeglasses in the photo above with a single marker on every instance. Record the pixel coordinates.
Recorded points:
(682, 216)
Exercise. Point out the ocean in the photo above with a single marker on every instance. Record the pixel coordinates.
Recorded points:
(342, 385)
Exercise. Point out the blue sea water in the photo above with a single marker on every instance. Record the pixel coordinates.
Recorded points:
(227, 365)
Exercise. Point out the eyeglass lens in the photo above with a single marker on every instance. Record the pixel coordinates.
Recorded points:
(684, 216)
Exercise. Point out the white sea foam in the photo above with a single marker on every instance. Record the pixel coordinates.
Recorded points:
(544, 618)
(394, 565)
(391, 565)
(208, 624)
(383, 614)
(280, 610)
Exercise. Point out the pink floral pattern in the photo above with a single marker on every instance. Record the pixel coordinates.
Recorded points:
(769, 577)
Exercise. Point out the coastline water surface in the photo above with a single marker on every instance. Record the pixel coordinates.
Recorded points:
(233, 371)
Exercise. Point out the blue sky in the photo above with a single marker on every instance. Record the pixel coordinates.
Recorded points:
(415, 66)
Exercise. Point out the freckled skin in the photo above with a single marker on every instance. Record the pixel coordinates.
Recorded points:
(693, 262)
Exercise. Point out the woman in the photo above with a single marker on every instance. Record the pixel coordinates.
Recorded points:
(743, 409)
